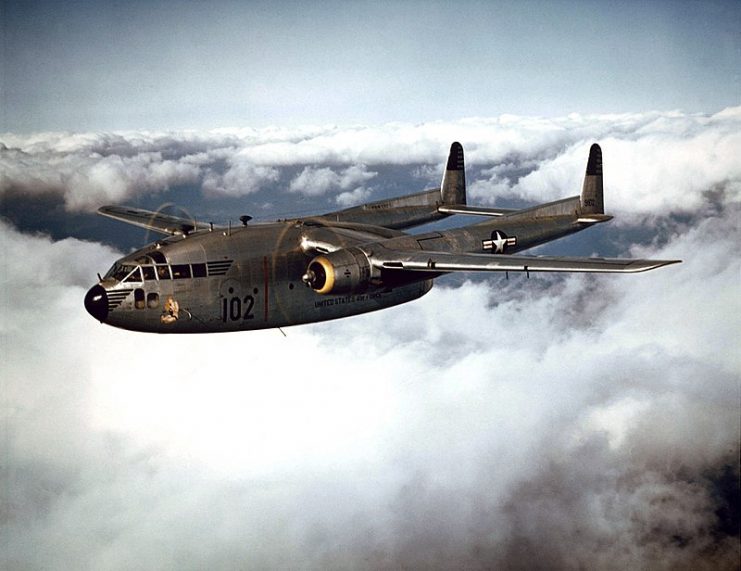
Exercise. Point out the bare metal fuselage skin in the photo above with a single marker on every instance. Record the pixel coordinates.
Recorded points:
(253, 275)
(252, 281)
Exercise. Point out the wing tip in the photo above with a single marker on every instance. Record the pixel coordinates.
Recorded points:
(646, 265)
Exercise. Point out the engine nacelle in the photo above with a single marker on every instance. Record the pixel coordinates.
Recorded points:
(344, 271)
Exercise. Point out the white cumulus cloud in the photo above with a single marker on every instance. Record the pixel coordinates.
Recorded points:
(654, 162)
(353, 197)
(316, 181)
(586, 422)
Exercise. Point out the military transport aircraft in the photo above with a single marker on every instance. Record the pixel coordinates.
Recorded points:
(256, 276)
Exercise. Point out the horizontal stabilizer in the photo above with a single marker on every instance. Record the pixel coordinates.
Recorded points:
(594, 218)
(450, 262)
(156, 221)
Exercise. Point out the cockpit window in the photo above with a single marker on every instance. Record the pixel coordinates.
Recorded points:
(163, 272)
(135, 276)
(119, 271)
(149, 273)
(158, 257)
(110, 273)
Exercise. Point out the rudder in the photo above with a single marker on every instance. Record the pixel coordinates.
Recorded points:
(453, 186)
(592, 200)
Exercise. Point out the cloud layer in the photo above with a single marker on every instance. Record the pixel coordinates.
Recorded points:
(583, 422)
(558, 422)
(655, 162)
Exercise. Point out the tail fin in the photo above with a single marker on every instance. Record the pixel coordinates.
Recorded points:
(592, 201)
(453, 187)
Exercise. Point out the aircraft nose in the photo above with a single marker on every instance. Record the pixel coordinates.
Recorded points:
(96, 303)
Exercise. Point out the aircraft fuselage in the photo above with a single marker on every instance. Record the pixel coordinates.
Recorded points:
(243, 279)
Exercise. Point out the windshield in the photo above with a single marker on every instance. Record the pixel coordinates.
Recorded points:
(135, 276)
(124, 272)
(119, 271)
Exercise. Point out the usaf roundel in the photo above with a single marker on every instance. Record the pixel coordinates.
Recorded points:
(499, 242)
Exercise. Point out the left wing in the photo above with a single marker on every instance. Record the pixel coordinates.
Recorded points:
(423, 261)
(163, 223)
(428, 206)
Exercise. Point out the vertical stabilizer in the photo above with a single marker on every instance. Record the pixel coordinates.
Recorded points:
(453, 187)
(592, 201)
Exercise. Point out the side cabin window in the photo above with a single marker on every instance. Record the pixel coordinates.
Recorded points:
(180, 271)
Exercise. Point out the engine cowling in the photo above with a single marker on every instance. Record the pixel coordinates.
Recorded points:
(344, 271)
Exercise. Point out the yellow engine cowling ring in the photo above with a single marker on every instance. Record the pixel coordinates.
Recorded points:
(344, 271)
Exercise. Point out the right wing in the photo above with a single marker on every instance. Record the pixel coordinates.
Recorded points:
(396, 213)
(163, 223)
(422, 261)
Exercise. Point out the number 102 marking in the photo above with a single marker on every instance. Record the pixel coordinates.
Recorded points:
(231, 309)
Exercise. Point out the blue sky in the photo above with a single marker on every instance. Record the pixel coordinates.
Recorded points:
(170, 65)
